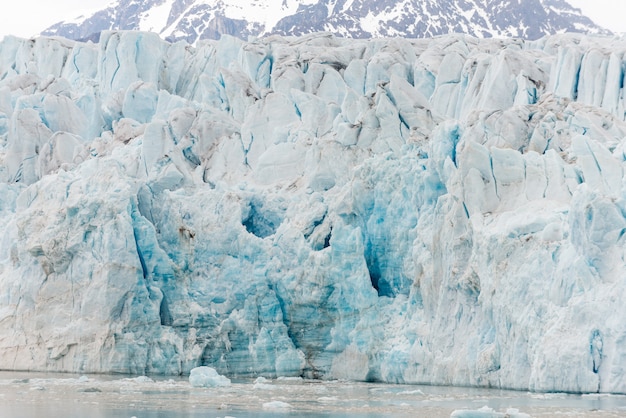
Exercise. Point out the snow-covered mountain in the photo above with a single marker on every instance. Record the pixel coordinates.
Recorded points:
(192, 20)
(446, 210)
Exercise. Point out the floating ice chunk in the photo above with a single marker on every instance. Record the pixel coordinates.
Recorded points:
(411, 392)
(276, 405)
(297, 379)
(205, 377)
(264, 384)
(139, 379)
(486, 412)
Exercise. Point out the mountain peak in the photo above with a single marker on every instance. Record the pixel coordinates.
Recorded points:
(193, 20)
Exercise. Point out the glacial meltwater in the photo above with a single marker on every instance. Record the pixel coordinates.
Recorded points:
(29, 395)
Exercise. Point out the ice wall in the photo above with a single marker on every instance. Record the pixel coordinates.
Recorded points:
(446, 211)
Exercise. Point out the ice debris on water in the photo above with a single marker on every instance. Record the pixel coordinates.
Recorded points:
(207, 377)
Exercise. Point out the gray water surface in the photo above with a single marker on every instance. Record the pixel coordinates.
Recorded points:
(29, 395)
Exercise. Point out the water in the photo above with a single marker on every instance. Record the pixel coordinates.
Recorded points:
(29, 395)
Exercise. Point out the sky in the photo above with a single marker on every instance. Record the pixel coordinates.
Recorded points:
(608, 13)
(27, 18)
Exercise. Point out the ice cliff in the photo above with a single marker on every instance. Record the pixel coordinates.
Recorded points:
(447, 210)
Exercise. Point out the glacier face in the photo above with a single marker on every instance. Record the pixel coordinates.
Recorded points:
(445, 211)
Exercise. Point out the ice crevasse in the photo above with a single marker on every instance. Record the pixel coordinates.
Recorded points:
(444, 211)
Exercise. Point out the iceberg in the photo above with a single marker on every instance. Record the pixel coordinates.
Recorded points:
(486, 412)
(207, 377)
(444, 211)
(279, 405)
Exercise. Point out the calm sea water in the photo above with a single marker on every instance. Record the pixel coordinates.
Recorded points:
(29, 395)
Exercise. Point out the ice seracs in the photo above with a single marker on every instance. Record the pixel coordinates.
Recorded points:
(446, 211)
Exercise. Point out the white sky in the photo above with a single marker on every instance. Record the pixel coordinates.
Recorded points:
(608, 13)
(27, 18)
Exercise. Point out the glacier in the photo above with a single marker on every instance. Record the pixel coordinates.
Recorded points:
(444, 211)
